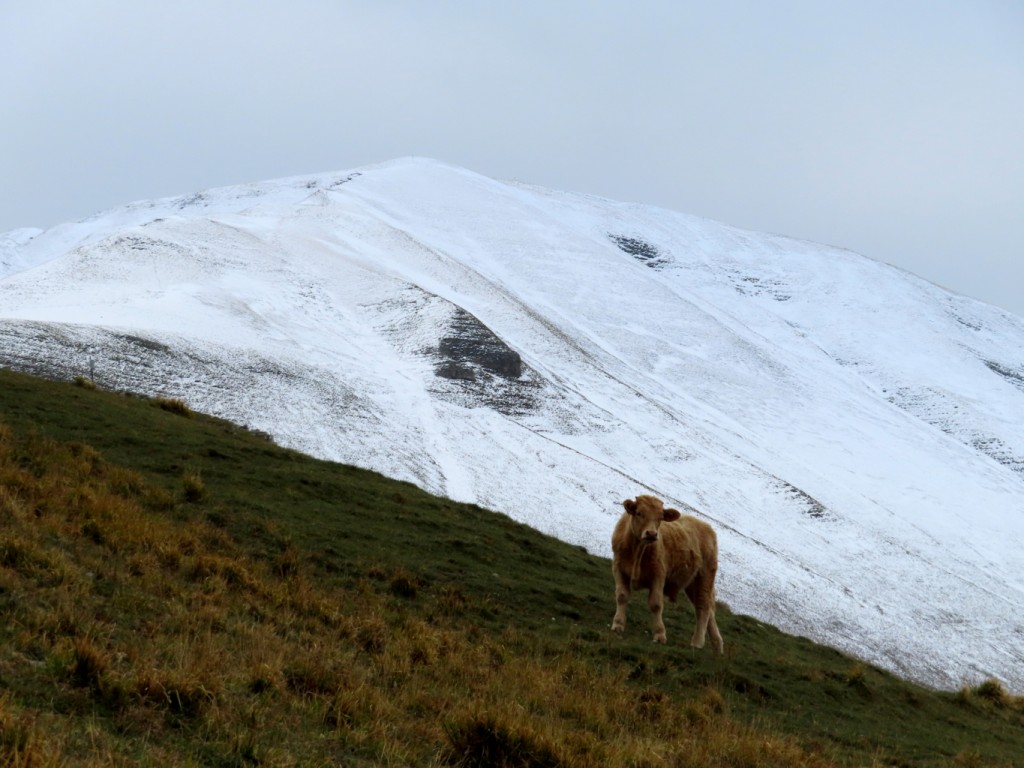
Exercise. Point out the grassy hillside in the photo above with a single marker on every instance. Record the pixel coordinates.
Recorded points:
(179, 591)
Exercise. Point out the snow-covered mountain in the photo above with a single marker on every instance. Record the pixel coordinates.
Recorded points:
(855, 434)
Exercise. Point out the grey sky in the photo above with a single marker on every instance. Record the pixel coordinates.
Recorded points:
(894, 128)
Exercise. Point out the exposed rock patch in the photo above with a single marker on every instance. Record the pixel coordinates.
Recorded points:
(485, 371)
(807, 504)
(1015, 377)
(641, 250)
(470, 347)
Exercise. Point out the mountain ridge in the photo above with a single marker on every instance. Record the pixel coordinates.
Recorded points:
(843, 422)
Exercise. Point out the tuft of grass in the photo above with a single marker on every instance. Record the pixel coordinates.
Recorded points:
(179, 693)
(193, 487)
(23, 743)
(403, 584)
(486, 740)
(994, 693)
(89, 664)
(174, 405)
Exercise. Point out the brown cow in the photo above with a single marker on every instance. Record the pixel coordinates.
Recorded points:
(663, 552)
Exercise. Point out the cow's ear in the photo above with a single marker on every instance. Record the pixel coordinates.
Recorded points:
(669, 515)
(630, 505)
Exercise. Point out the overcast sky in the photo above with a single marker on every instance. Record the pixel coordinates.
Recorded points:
(894, 128)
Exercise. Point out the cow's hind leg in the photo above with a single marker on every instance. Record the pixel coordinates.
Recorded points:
(716, 636)
(704, 606)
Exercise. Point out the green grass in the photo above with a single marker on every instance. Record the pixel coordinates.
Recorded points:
(178, 590)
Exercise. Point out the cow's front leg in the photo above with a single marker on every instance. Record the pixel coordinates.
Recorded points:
(656, 602)
(622, 593)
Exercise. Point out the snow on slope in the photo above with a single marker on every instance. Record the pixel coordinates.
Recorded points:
(855, 433)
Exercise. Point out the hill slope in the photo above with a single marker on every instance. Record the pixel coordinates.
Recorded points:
(856, 434)
(179, 591)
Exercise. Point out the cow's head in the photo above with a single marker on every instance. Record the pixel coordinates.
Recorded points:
(648, 513)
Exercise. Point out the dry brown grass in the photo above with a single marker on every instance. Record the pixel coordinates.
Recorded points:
(990, 693)
(140, 633)
(174, 405)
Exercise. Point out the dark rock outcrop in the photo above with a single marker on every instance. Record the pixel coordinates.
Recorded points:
(472, 346)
